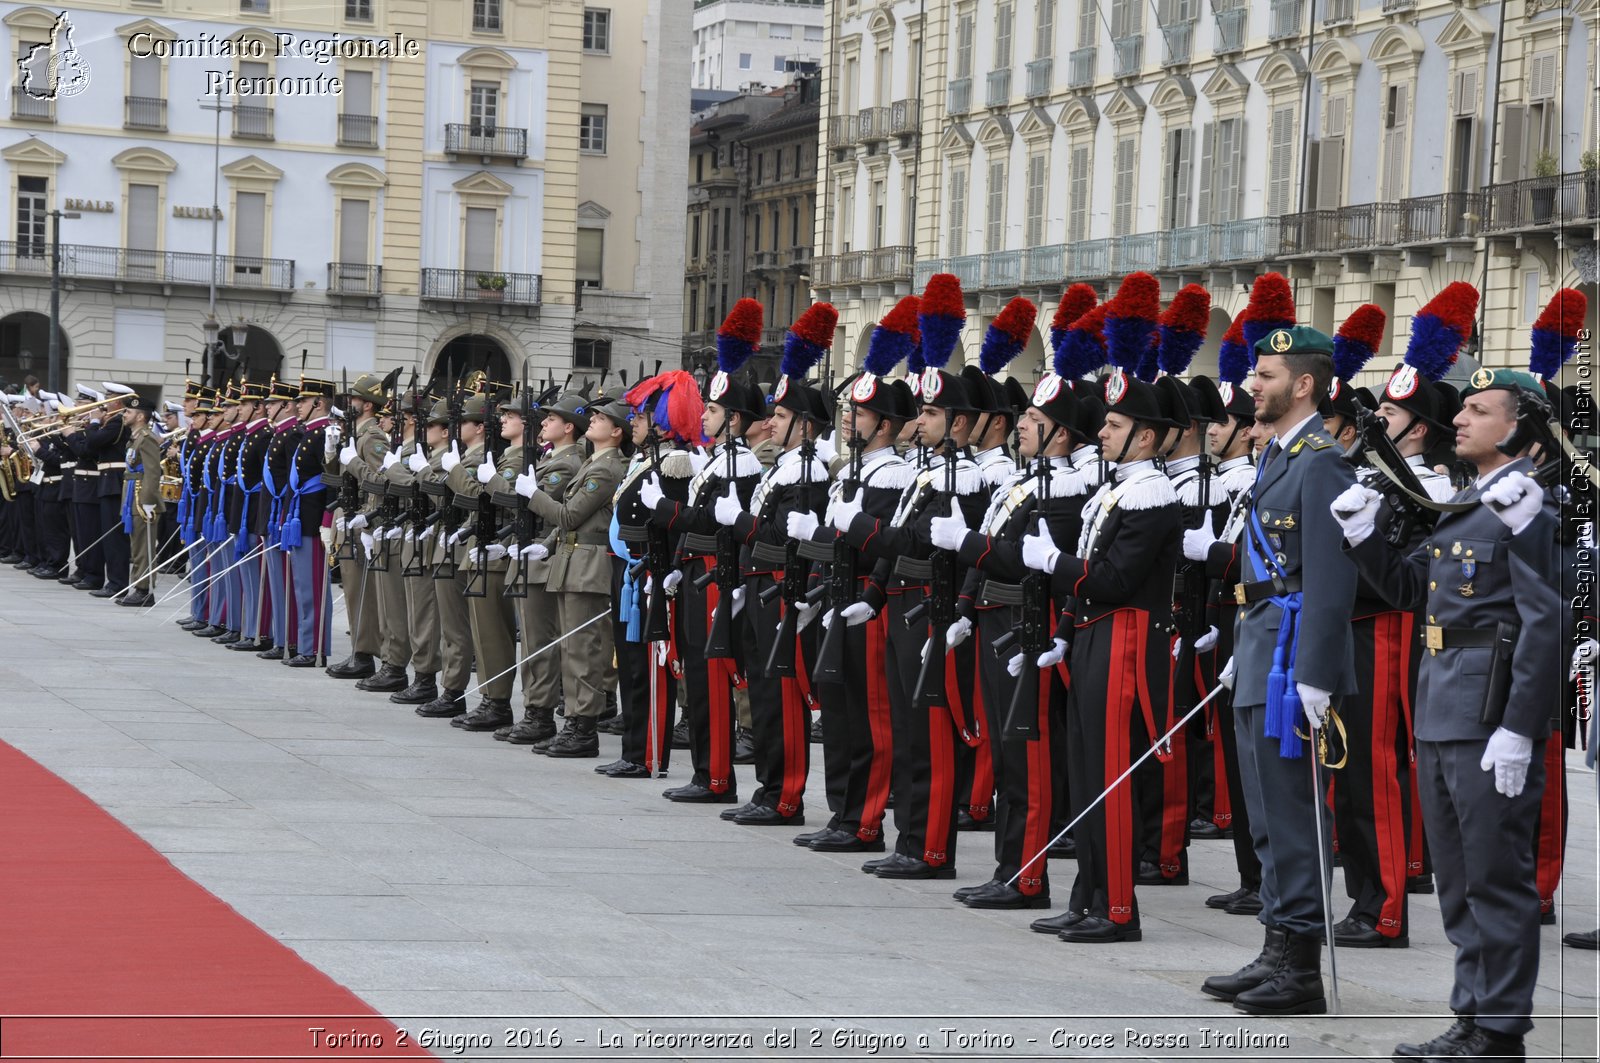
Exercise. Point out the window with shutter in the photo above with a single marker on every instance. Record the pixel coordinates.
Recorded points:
(1204, 209)
(1466, 92)
(1003, 16)
(964, 31)
(1463, 157)
(957, 237)
(1087, 14)
(1228, 167)
(483, 108)
(357, 94)
(353, 217)
(1542, 77)
(144, 222)
(1330, 173)
(478, 254)
(1395, 119)
(1280, 164)
(1126, 18)
(1334, 120)
(1122, 216)
(847, 218)
(1035, 212)
(1078, 196)
(249, 224)
(591, 257)
(880, 210)
(144, 77)
(995, 224)
(1176, 179)
(1044, 30)
(1512, 147)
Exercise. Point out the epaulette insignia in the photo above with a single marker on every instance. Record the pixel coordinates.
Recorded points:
(1316, 442)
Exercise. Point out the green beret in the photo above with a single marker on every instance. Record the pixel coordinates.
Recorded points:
(1486, 379)
(1301, 339)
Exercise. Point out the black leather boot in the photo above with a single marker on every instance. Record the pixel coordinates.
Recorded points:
(1443, 1045)
(1295, 985)
(421, 691)
(577, 739)
(449, 703)
(391, 678)
(490, 713)
(1484, 1043)
(536, 725)
(1252, 974)
(355, 666)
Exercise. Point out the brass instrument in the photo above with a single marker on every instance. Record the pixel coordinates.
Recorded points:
(171, 476)
(68, 414)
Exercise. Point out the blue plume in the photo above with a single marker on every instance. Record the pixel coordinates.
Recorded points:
(1149, 363)
(1256, 331)
(888, 349)
(1127, 340)
(1433, 346)
(799, 355)
(1349, 355)
(732, 353)
(1178, 347)
(915, 362)
(1548, 351)
(940, 334)
(1079, 355)
(1233, 362)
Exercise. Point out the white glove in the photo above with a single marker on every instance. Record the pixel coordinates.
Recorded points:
(1225, 677)
(1509, 754)
(347, 454)
(1014, 665)
(451, 459)
(390, 460)
(1315, 701)
(727, 508)
(1356, 510)
(535, 552)
(367, 542)
(1583, 655)
(357, 522)
(527, 484)
(856, 613)
(1206, 641)
(409, 535)
(330, 442)
(494, 552)
(1515, 498)
(650, 492)
(338, 525)
(808, 612)
(326, 535)
(394, 533)
(456, 537)
(1054, 655)
(428, 533)
(842, 512)
(802, 524)
(1197, 541)
(1039, 551)
(417, 461)
(486, 471)
(149, 510)
(670, 581)
(957, 632)
(738, 601)
(947, 533)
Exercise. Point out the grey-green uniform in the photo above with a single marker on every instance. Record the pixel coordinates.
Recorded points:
(393, 639)
(422, 610)
(539, 611)
(145, 453)
(492, 615)
(580, 575)
(449, 594)
(360, 590)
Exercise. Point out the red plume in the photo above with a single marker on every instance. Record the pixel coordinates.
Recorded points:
(1190, 310)
(817, 324)
(1076, 301)
(1138, 296)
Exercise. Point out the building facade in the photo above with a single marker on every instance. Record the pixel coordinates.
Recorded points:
(396, 183)
(745, 43)
(1372, 150)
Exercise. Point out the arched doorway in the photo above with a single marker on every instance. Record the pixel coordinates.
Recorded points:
(466, 353)
(1205, 359)
(25, 350)
(257, 360)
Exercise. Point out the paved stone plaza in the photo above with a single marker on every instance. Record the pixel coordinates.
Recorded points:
(440, 874)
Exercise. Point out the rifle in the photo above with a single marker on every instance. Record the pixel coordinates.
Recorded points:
(1556, 454)
(448, 518)
(523, 520)
(481, 505)
(725, 572)
(349, 488)
(389, 508)
(940, 604)
(1396, 482)
(792, 587)
(1034, 633)
(1190, 589)
(417, 511)
(839, 588)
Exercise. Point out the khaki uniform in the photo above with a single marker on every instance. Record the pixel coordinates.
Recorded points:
(360, 589)
(539, 612)
(449, 597)
(422, 609)
(389, 583)
(493, 619)
(580, 573)
(143, 450)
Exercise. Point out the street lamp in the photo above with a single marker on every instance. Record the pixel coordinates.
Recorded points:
(216, 349)
(55, 295)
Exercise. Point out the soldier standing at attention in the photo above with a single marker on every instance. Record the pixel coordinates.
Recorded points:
(142, 507)
(357, 457)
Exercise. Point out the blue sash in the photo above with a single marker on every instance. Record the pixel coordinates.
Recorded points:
(127, 498)
(632, 594)
(1283, 711)
(290, 535)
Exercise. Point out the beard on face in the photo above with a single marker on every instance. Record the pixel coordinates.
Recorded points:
(1274, 404)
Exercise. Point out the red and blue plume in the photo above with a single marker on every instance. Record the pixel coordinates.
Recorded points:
(915, 362)
(1233, 357)
(1440, 328)
(739, 336)
(941, 317)
(1183, 328)
(1131, 319)
(1555, 334)
(1076, 301)
(1084, 349)
(1007, 334)
(1150, 361)
(1357, 340)
(894, 338)
(674, 403)
(808, 340)
(1271, 307)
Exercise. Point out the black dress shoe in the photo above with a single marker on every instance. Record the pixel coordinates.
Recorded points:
(209, 631)
(1065, 849)
(1098, 930)
(1483, 1043)
(449, 704)
(680, 735)
(900, 866)
(810, 836)
(355, 666)
(1150, 875)
(603, 768)
(629, 770)
(87, 585)
(1005, 898)
(1220, 901)
(766, 816)
(843, 841)
(276, 653)
(1055, 924)
(390, 679)
(695, 794)
(963, 892)
(301, 660)
(1444, 1045)
(966, 821)
(10, 559)
(1356, 933)
(744, 747)
(46, 573)
(1204, 828)
(1249, 904)
(136, 599)
(1588, 940)
(1419, 884)
(1547, 918)
(732, 813)
(870, 867)
(251, 645)
(108, 590)
(227, 638)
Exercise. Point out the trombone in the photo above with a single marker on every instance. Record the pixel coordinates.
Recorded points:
(68, 414)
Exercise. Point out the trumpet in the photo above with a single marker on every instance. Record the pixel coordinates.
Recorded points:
(70, 414)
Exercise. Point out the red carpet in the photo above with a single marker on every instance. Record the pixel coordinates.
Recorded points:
(99, 929)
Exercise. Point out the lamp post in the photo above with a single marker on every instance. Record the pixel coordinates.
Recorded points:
(212, 330)
(216, 350)
(55, 295)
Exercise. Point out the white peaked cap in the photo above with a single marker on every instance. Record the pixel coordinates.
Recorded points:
(116, 389)
(88, 392)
